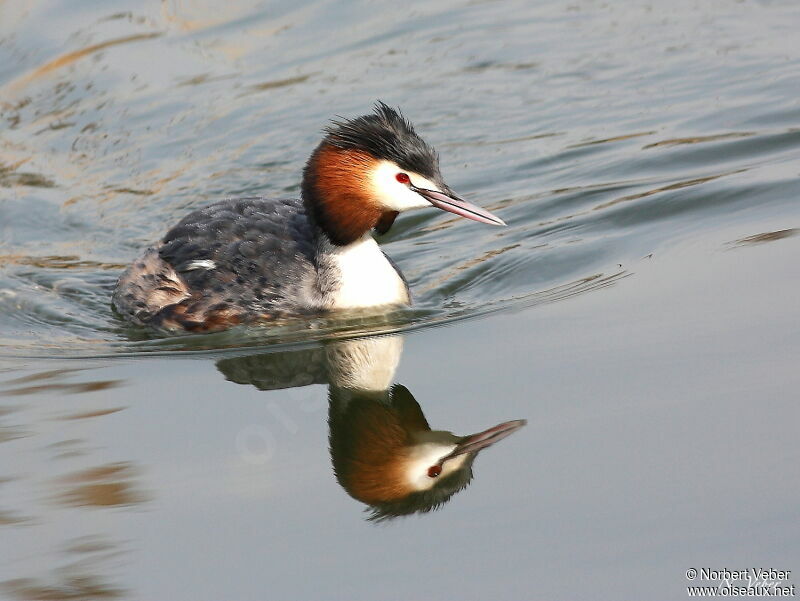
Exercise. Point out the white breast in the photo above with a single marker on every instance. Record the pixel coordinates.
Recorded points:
(365, 277)
(364, 364)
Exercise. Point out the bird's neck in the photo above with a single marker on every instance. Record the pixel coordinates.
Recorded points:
(337, 196)
(361, 276)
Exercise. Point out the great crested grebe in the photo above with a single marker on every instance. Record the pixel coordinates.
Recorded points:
(384, 453)
(250, 259)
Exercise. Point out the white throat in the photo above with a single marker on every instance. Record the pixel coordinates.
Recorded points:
(363, 276)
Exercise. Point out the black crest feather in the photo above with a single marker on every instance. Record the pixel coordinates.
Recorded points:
(386, 134)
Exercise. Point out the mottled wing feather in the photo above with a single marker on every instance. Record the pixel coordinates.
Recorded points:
(230, 262)
(146, 287)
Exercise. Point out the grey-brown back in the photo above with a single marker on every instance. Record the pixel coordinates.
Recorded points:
(231, 262)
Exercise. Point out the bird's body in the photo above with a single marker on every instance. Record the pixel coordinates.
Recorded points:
(252, 259)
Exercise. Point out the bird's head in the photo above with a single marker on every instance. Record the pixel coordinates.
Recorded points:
(369, 169)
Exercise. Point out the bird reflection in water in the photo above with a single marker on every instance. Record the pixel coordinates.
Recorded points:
(383, 451)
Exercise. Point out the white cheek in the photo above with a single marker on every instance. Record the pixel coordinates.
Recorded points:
(396, 196)
(425, 456)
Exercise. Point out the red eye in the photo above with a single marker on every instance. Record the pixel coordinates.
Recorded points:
(433, 470)
(403, 178)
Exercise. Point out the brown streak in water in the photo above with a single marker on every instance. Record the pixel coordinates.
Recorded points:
(467, 264)
(80, 587)
(69, 455)
(71, 57)
(203, 78)
(8, 518)
(90, 414)
(89, 544)
(8, 433)
(154, 186)
(42, 375)
(57, 262)
(76, 388)
(612, 139)
(700, 139)
(65, 443)
(10, 177)
(104, 486)
(279, 83)
(485, 256)
(474, 143)
(610, 203)
(132, 191)
(765, 237)
(675, 186)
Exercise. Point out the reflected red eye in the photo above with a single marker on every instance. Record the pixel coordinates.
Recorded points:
(433, 470)
(403, 178)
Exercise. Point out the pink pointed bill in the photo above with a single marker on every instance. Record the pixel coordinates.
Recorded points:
(459, 206)
(481, 440)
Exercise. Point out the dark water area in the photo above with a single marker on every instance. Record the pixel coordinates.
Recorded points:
(640, 310)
